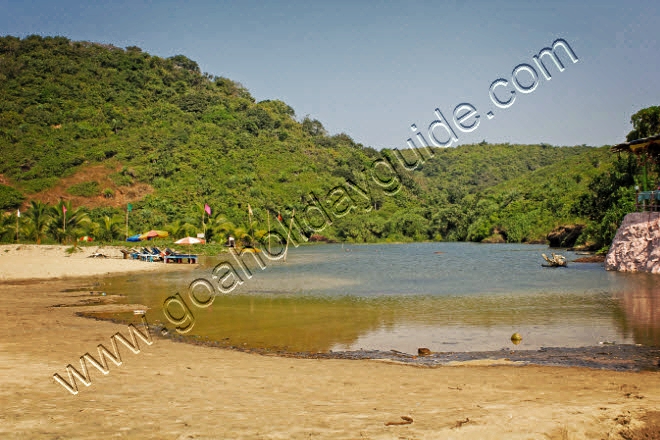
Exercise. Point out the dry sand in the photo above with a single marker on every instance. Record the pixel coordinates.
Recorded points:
(47, 262)
(171, 390)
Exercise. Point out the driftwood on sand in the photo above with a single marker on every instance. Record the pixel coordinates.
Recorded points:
(555, 261)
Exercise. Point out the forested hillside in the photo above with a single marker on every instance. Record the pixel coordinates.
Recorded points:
(93, 127)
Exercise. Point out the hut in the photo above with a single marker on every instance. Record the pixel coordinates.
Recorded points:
(648, 152)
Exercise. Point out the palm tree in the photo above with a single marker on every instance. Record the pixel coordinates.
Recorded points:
(38, 216)
(242, 236)
(220, 228)
(27, 230)
(177, 229)
(7, 227)
(73, 219)
(109, 228)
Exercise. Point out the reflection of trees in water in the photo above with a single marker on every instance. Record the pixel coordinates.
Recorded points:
(314, 323)
(641, 310)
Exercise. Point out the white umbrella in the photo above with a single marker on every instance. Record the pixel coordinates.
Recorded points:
(189, 240)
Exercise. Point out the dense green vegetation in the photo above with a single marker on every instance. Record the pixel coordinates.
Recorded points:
(196, 138)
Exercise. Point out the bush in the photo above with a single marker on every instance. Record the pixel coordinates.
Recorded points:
(37, 185)
(10, 198)
(121, 179)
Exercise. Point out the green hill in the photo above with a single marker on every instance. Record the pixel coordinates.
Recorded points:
(97, 127)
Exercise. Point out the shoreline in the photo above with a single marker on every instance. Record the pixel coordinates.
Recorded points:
(178, 390)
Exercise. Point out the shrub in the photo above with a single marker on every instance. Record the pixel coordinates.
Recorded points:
(10, 198)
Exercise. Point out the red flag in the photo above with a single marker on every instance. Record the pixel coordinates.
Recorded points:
(207, 208)
(279, 216)
(63, 209)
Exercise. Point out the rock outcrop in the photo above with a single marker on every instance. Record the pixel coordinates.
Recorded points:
(565, 235)
(636, 246)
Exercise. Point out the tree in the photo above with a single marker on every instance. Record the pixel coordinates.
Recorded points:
(185, 63)
(313, 127)
(10, 198)
(108, 228)
(38, 218)
(75, 218)
(179, 229)
(610, 198)
(219, 228)
(646, 122)
(7, 227)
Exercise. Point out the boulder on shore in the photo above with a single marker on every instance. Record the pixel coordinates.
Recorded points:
(495, 238)
(636, 246)
(565, 235)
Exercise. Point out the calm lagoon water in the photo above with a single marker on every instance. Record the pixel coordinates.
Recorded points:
(444, 296)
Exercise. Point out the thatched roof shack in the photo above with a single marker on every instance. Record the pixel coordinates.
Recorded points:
(649, 145)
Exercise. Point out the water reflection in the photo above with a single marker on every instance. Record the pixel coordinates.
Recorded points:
(462, 300)
(641, 309)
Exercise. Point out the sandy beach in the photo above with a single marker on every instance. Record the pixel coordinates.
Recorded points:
(171, 390)
(47, 262)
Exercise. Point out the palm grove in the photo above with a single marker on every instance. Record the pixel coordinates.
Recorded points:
(168, 139)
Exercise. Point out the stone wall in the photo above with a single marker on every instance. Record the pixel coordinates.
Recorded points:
(636, 246)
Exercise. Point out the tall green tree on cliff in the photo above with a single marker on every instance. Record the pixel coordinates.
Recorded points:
(646, 123)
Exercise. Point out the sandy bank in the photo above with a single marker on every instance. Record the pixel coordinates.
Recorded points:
(178, 391)
(47, 262)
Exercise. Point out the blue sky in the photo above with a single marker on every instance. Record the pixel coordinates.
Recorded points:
(371, 69)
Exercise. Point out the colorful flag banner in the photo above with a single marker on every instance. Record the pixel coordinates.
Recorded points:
(18, 213)
(129, 207)
(63, 209)
(207, 208)
(250, 209)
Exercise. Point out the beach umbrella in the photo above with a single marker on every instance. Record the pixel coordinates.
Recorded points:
(153, 234)
(189, 240)
(135, 237)
(148, 235)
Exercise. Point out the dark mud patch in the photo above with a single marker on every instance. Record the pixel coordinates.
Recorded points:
(590, 259)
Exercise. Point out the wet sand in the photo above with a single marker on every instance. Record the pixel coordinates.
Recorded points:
(183, 391)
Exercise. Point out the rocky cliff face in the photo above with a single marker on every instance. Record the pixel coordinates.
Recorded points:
(636, 246)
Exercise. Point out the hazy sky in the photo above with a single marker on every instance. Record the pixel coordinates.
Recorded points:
(371, 69)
